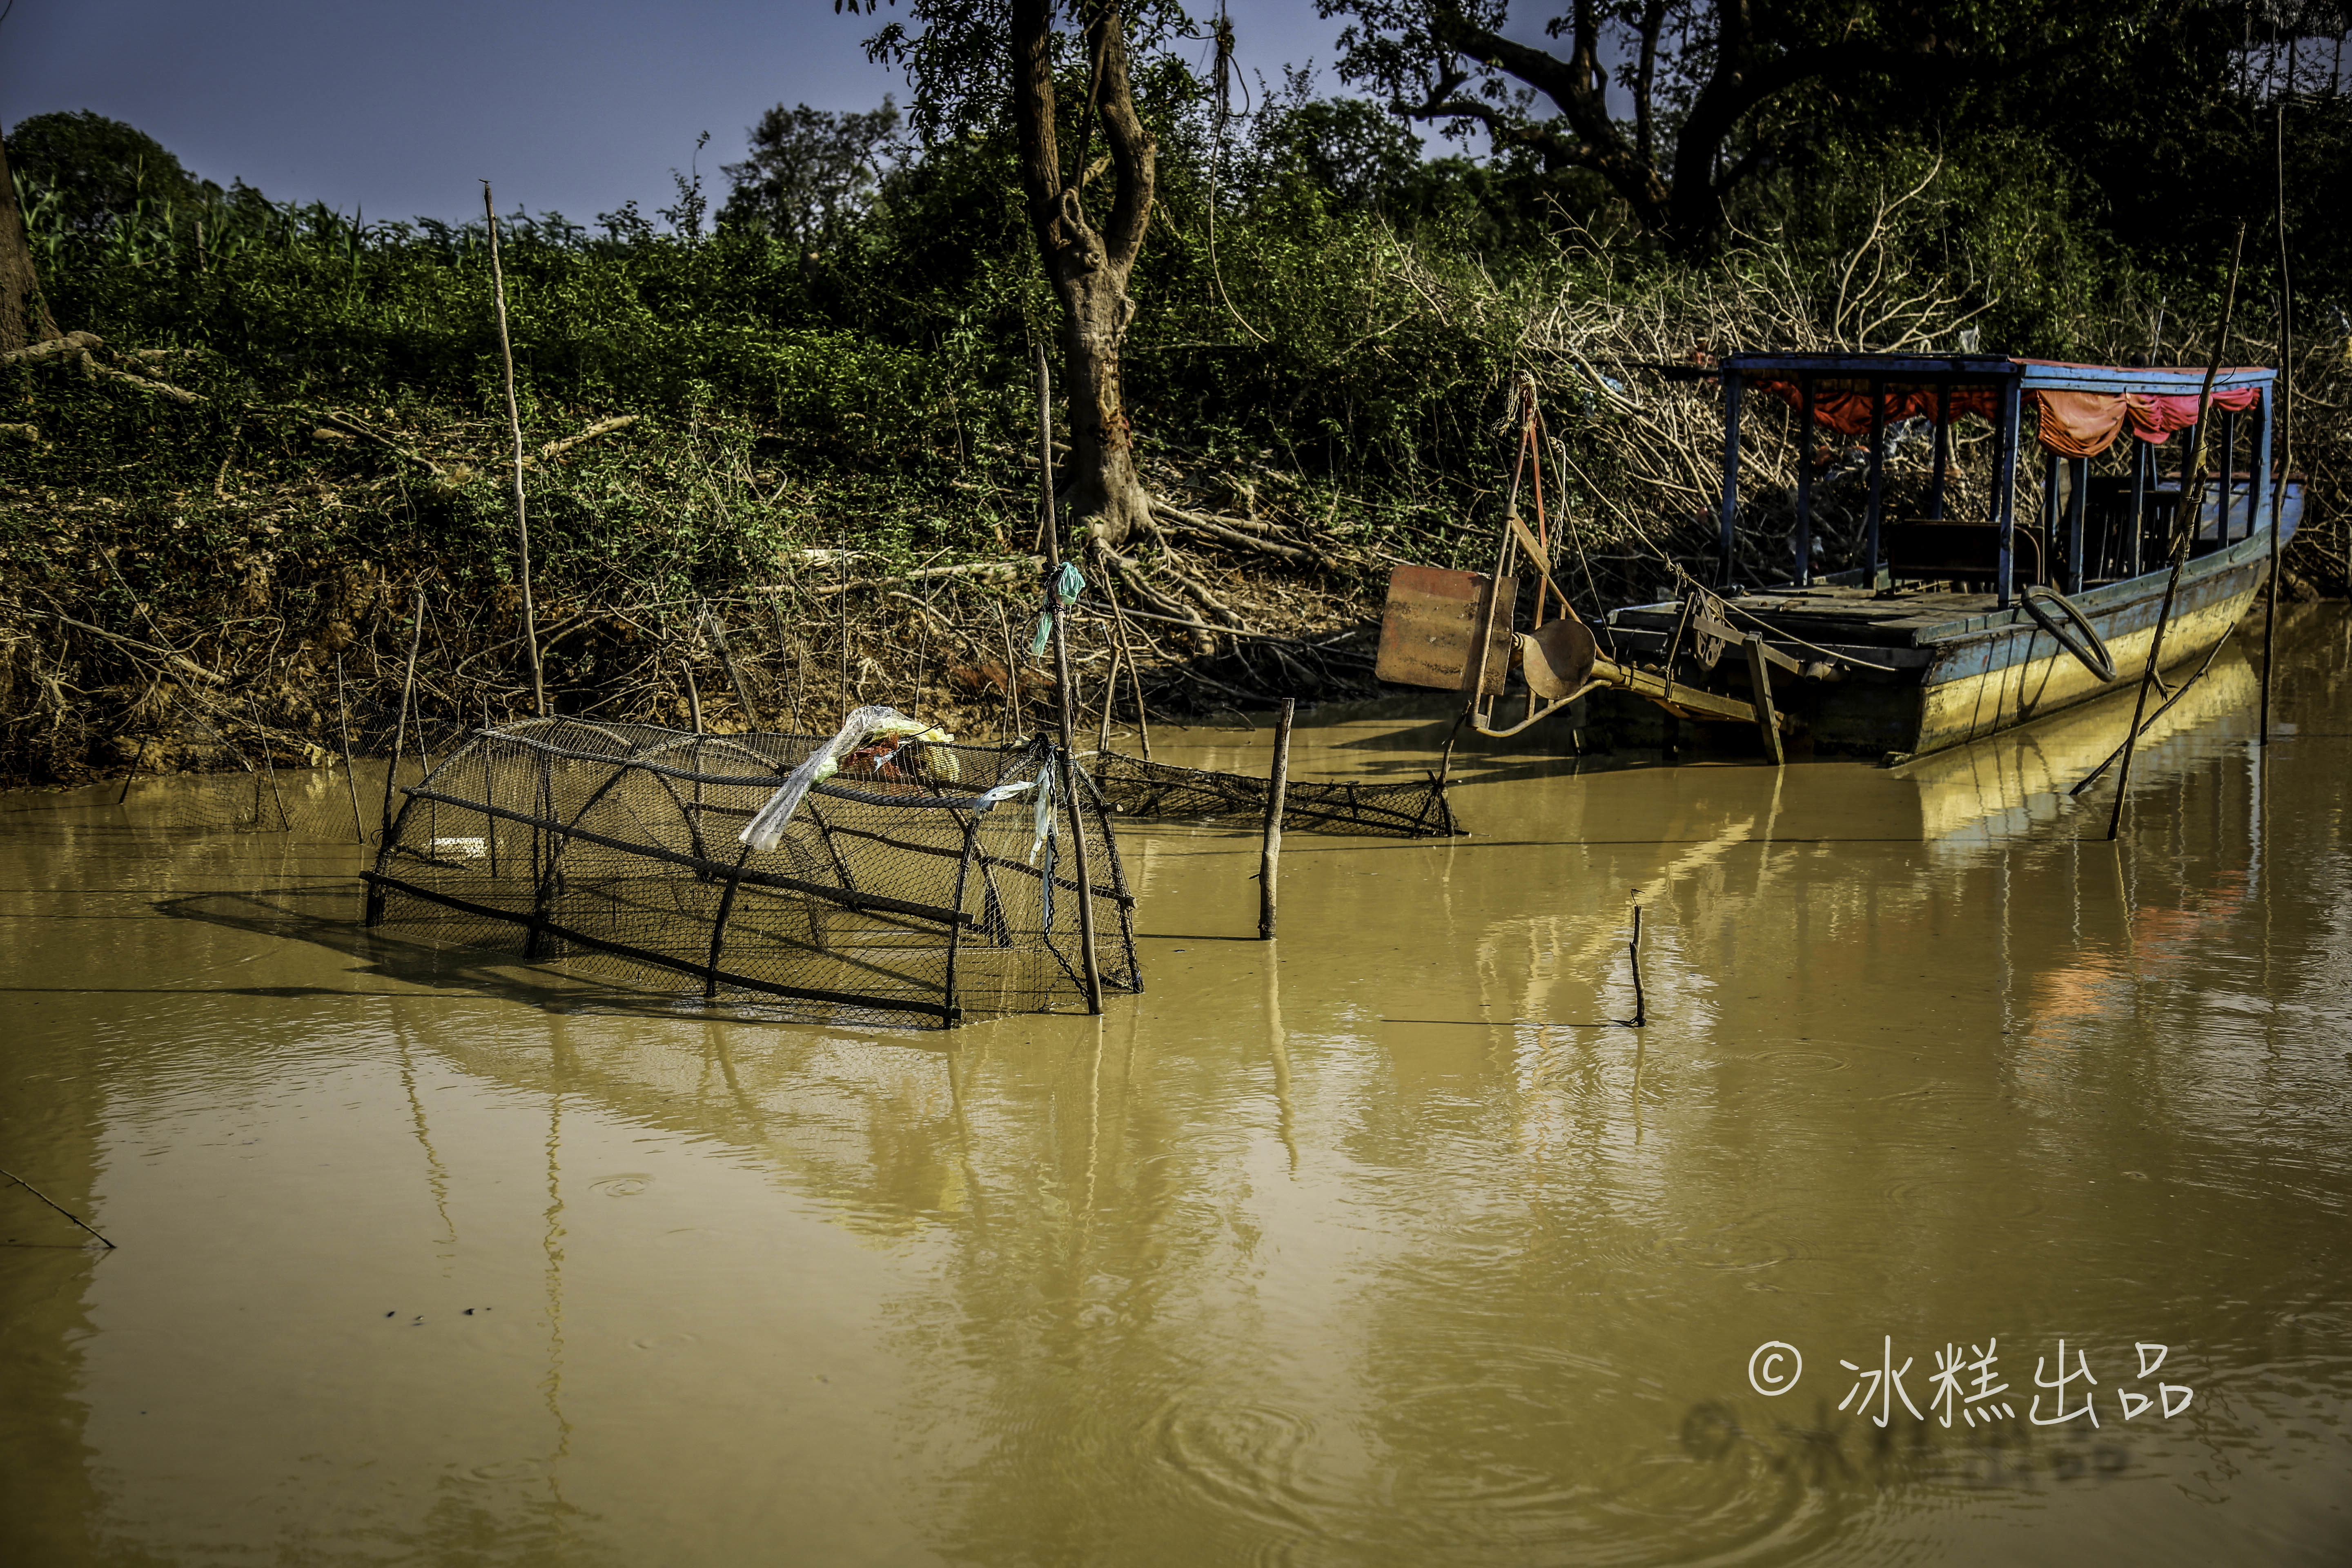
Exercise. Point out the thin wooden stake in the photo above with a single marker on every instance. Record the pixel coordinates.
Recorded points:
(400, 726)
(1053, 532)
(350, 778)
(1445, 757)
(2178, 692)
(694, 713)
(1134, 674)
(1269, 855)
(1012, 677)
(55, 1204)
(1110, 696)
(514, 427)
(2286, 432)
(726, 662)
(1760, 676)
(1633, 950)
(797, 674)
(2184, 528)
(133, 772)
(267, 766)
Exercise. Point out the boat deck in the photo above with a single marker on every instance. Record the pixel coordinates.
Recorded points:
(1881, 626)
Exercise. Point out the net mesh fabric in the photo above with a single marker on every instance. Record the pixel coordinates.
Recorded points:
(222, 787)
(210, 766)
(888, 898)
(1409, 808)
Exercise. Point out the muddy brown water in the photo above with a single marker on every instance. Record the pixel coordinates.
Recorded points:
(1384, 1243)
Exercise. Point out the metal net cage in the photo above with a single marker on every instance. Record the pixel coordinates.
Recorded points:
(1405, 808)
(898, 893)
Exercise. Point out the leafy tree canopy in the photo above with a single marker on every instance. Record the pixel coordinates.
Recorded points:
(1678, 104)
(811, 170)
(99, 170)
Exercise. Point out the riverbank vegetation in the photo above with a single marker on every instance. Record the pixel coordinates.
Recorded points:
(790, 427)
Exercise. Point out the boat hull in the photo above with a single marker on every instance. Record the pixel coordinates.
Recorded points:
(1947, 682)
(2000, 676)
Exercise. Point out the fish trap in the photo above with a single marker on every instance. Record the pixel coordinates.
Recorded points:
(1405, 808)
(923, 880)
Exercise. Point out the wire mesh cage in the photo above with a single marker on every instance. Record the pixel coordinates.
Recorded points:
(1405, 808)
(924, 880)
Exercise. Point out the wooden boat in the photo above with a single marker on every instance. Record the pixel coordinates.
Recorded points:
(1944, 628)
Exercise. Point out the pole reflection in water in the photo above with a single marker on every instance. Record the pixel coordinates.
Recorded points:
(1384, 1243)
(1278, 1048)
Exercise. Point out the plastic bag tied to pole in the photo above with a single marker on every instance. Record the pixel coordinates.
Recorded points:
(766, 830)
(1067, 586)
(1045, 838)
(1041, 823)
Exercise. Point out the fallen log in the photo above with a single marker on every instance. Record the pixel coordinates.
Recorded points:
(76, 347)
(602, 427)
(73, 343)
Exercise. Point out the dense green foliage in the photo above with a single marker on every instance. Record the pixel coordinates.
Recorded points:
(1320, 331)
(1327, 321)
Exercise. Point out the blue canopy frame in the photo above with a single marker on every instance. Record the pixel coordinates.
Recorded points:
(2009, 379)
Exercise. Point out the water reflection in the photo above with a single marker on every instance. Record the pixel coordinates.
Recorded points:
(1389, 1242)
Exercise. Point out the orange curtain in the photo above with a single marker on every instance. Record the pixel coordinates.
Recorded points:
(2072, 424)
(2085, 423)
(2080, 423)
(1847, 411)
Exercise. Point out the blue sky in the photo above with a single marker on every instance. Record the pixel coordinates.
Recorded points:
(400, 110)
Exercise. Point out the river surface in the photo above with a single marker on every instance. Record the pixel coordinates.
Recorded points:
(1385, 1243)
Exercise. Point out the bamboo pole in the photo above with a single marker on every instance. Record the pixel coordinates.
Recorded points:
(2286, 432)
(1269, 855)
(1053, 532)
(400, 726)
(351, 779)
(514, 427)
(2184, 528)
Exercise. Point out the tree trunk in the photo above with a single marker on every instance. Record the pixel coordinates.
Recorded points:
(24, 314)
(1104, 494)
(1089, 267)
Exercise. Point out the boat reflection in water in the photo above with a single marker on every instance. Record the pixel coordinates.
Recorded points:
(1991, 790)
